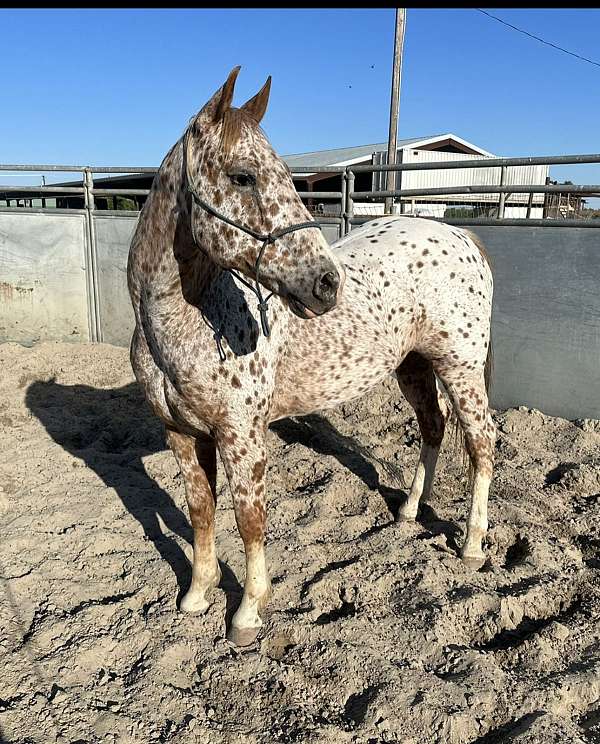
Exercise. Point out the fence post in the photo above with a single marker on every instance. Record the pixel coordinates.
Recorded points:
(529, 205)
(93, 300)
(349, 200)
(502, 199)
(343, 204)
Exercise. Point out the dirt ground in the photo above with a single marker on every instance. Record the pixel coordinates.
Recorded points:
(377, 631)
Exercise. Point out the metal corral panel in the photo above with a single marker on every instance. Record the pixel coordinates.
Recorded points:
(330, 232)
(546, 318)
(113, 236)
(43, 277)
(530, 175)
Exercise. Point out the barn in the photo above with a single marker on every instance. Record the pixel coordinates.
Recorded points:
(436, 148)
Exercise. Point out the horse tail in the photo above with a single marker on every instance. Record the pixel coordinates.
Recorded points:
(480, 246)
(459, 441)
(488, 369)
(489, 361)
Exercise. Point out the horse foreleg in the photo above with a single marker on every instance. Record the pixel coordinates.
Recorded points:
(244, 459)
(197, 461)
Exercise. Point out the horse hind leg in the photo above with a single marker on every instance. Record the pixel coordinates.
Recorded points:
(417, 382)
(468, 392)
(197, 461)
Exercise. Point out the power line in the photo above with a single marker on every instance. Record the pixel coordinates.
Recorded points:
(537, 38)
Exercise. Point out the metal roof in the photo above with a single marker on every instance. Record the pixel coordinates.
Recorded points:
(351, 155)
(341, 154)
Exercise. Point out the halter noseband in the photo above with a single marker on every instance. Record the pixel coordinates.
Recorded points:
(267, 239)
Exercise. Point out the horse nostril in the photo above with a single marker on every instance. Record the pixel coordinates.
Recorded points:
(326, 286)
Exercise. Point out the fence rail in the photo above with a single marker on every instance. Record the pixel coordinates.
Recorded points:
(512, 189)
(482, 163)
(507, 222)
(345, 198)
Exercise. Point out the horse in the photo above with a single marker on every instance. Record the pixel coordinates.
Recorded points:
(219, 361)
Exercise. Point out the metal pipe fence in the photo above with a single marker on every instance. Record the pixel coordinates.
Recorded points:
(504, 190)
(342, 202)
(545, 279)
(592, 190)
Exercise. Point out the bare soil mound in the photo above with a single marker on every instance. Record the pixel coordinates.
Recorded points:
(377, 631)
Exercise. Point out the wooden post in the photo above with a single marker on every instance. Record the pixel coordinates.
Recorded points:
(395, 103)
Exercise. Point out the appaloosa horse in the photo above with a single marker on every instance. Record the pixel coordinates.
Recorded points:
(222, 219)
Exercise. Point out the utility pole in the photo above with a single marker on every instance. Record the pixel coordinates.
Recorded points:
(395, 103)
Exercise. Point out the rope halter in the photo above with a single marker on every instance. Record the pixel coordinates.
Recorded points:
(266, 238)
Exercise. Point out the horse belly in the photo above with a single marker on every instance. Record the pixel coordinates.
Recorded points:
(339, 356)
(298, 398)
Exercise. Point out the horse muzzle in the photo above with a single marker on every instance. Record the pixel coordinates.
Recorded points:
(318, 299)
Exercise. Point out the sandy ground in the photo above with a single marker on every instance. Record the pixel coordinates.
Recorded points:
(377, 632)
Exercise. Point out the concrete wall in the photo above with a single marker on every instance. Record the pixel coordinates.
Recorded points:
(43, 293)
(331, 232)
(113, 236)
(546, 319)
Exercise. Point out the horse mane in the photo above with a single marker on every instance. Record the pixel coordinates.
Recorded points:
(232, 125)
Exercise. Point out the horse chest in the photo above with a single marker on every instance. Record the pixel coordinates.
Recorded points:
(212, 393)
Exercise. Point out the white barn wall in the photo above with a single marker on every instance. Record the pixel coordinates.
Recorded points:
(530, 175)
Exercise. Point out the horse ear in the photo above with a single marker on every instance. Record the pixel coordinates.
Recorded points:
(257, 105)
(221, 101)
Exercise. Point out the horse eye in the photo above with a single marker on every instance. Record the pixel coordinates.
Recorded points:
(243, 180)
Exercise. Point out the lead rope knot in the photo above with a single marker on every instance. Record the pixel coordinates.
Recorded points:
(218, 339)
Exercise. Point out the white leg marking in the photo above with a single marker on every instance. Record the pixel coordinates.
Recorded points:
(472, 552)
(257, 589)
(206, 574)
(422, 482)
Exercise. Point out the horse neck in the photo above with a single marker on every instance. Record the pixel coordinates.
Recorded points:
(176, 271)
(178, 265)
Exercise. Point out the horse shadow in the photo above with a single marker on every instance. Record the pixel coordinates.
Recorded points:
(112, 429)
(319, 434)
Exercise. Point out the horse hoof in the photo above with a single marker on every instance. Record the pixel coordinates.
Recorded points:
(194, 604)
(242, 636)
(402, 517)
(475, 562)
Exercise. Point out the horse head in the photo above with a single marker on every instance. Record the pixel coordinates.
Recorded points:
(246, 214)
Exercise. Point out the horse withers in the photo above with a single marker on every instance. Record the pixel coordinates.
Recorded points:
(219, 361)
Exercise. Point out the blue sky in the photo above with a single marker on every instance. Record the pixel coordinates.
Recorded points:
(107, 87)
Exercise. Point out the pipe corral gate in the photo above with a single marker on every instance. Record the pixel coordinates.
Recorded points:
(63, 275)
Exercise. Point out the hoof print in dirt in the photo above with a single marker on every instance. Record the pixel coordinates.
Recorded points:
(517, 552)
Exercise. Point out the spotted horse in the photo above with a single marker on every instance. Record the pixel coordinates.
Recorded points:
(218, 361)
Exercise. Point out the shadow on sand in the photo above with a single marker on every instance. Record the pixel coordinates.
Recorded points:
(111, 430)
(317, 433)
